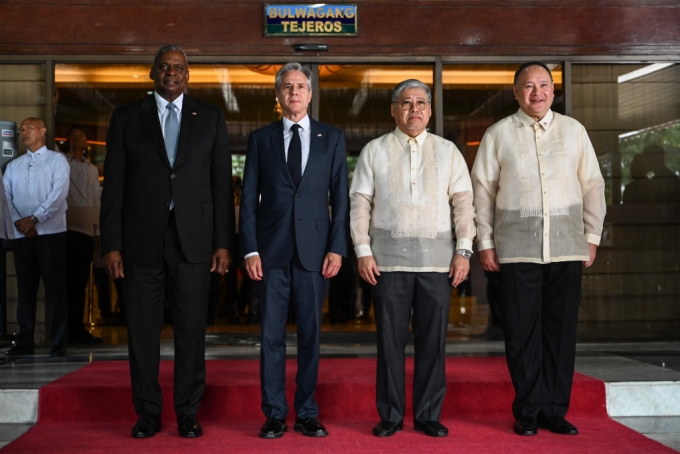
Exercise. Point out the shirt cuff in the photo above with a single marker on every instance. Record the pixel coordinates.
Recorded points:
(250, 254)
(464, 243)
(594, 239)
(486, 244)
(363, 250)
(41, 217)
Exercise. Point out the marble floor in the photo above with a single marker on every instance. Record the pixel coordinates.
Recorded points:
(642, 378)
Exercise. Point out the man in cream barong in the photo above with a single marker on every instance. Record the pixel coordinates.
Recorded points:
(407, 187)
(539, 199)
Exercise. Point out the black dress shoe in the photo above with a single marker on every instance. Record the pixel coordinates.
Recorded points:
(147, 425)
(310, 427)
(20, 350)
(273, 428)
(189, 427)
(431, 428)
(525, 426)
(388, 428)
(58, 351)
(557, 425)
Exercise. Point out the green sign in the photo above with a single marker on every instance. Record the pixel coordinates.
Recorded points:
(318, 19)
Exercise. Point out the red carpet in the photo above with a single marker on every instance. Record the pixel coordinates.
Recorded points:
(90, 410)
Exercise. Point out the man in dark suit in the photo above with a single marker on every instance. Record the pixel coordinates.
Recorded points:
(294, 169)
(168, 214)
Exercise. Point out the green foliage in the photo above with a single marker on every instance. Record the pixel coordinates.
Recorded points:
(668, 138)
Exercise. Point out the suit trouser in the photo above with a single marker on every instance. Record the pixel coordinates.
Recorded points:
(79, 248)
(541, 316)
(102, 282)
(307, 291)
(43, 256)
(145, 295)
(395, 297)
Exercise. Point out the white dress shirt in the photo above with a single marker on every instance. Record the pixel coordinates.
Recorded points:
(305, 132)
(37, 184)
(539, 192)
(163, 111)
(84, 191)
(305, 137)
(405, 192)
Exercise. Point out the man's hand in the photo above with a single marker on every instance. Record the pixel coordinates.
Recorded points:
(113, 264)
(593, 253)
(489, 260)
(221, 259)
(368, 269)
(331, 265)
(460, 267)
(253, 266)
(26, 227)
(31, 233)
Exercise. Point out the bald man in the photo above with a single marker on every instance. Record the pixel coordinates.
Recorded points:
(36, 185)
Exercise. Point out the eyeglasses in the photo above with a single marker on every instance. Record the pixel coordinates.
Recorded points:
(25, 128)
(408, 105)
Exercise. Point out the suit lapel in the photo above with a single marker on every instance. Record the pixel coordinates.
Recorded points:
(153, 125)
(186, 130)
(316, 147)
(277, 146)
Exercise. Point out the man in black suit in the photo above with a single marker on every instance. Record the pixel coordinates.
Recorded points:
(168, 214)
(294, 169)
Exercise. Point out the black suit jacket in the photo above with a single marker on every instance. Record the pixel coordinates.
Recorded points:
(139, 183)
(276, 217)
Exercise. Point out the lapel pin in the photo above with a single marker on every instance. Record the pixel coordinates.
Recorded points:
(319, 135)
(193, 113)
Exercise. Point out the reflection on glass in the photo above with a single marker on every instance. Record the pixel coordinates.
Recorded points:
(22, 93)
(632, 114)
(88, 94)
(477, 96)
(356, 98)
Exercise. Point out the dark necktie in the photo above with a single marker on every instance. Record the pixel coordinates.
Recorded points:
(171, 133)
(295, 155)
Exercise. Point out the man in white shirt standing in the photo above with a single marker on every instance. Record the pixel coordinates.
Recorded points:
(83, 232)
(407, 186)
(539, 198)
(36, 185)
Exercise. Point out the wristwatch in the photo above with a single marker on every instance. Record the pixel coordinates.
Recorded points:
(34, 219)
(466, 253)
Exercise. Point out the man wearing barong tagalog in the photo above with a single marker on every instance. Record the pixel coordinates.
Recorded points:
(407, 187)
(539, 199)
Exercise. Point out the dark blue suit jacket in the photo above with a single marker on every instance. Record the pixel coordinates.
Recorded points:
(277, 218)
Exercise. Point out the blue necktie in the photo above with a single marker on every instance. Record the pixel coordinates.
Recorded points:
(171, 133)
(295, 155)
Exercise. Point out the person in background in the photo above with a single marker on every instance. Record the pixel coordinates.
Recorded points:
(36, 186)
(82, 234)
